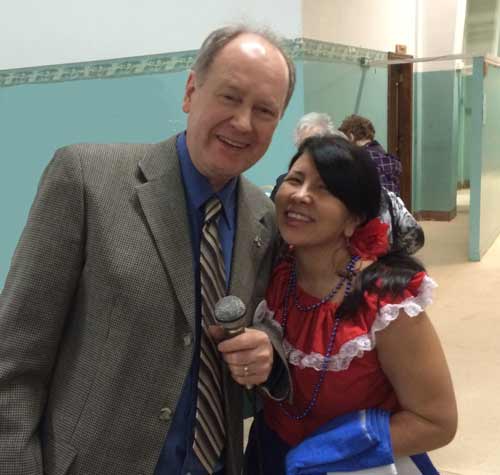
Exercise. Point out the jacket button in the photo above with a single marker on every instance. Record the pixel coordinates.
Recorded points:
(188, 339)
(165, 414)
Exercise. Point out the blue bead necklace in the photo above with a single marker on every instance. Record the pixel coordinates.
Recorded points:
(292, 290)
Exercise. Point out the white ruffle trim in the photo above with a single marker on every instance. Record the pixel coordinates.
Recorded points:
(355, 348)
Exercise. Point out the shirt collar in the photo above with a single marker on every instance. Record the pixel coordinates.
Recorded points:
(198, 188)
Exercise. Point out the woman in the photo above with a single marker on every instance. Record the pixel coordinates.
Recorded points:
(352, 318)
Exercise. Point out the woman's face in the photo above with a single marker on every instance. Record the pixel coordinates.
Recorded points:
(308, 214)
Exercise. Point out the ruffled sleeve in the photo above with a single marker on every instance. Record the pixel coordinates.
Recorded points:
(377, 315)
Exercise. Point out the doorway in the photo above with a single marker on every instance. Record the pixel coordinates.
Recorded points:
(400, 121)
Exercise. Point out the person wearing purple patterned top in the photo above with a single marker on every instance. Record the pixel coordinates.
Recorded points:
(361, 131)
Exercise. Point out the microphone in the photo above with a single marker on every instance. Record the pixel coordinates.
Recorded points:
(229, 313)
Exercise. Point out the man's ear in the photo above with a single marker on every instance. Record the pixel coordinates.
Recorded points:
(188, 93)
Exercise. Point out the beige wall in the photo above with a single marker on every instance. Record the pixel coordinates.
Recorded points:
(373, 24)
(426, 27)
(440, 31)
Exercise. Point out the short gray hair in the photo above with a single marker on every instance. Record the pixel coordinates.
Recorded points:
(320, 122)
(219, 38)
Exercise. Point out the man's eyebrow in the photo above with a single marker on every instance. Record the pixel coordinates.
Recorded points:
(231, 86)
(266, 102)
(229, 83)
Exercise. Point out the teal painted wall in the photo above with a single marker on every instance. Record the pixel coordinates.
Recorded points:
(340, 89)
(37, 119)
(436, 144)
(490, 163)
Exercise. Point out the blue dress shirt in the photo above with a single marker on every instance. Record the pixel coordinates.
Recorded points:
(177, 457)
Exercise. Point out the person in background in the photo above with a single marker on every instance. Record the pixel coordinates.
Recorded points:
(404, 232)
(361, 131)
(371, 384)
(108, 363)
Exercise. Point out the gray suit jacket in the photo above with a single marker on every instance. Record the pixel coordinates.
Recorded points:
(97, 316)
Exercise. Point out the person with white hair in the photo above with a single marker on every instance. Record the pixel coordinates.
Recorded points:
(314, 123)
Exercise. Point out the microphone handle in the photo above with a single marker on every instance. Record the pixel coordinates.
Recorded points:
(231, 333)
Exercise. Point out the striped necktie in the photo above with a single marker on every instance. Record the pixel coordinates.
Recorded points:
(210, 433)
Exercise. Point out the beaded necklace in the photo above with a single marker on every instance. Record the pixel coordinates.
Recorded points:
(292, 290)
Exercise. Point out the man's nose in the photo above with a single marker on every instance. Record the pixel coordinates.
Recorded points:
(242, 118)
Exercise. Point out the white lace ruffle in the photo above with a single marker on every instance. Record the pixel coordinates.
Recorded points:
(355, 348)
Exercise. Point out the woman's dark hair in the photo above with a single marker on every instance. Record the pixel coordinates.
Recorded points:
(350, 175)
(348, 172)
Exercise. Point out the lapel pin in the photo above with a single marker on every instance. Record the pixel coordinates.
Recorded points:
(258, 241)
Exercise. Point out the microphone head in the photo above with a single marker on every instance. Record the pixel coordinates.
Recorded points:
(229, 311)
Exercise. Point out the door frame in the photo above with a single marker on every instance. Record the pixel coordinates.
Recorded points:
(400, 121)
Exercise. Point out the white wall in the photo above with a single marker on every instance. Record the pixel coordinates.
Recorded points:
(35, 32)
(373, 24)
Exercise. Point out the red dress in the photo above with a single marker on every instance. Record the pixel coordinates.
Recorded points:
(354, 379)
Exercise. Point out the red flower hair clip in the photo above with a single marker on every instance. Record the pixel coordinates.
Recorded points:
(370, 241)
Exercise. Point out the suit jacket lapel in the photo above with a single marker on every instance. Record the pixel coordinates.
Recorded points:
(251, 241)
(164, 204)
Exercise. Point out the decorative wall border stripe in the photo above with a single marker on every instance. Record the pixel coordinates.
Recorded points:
(314, 50)
(298, 49)
(106, 69)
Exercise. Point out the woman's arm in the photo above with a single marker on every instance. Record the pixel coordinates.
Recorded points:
(412, 358)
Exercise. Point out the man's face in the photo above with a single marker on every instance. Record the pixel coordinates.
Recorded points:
(235, 108)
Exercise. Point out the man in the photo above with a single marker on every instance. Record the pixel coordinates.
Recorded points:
(361, 131)
(102, 318)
